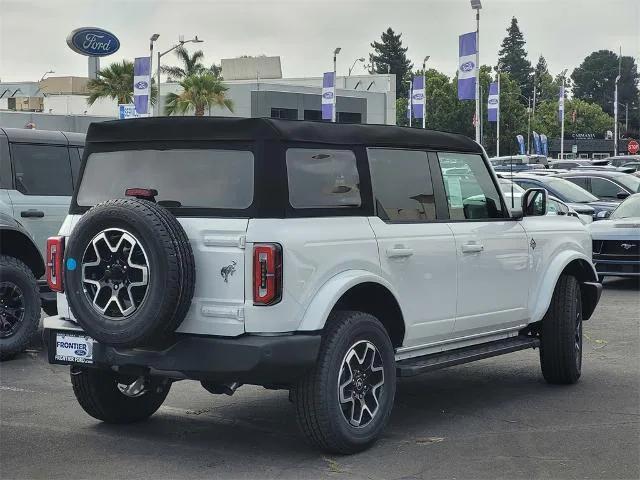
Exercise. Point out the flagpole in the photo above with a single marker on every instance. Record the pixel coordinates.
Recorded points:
(564, 72)
(498, 118)
(478, 75)
(424, 95)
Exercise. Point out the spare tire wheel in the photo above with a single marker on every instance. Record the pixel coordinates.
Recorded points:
(130, 273)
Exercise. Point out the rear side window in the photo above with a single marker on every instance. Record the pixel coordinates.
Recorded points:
(402, 185)
(322, 178)
(41, 169)
(183, 178)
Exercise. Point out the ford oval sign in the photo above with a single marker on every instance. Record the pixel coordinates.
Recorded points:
(141, 85)
(93, 42)
(80, 353)
(327, 95)
(467, 66)
(418, 96)
(493, 101)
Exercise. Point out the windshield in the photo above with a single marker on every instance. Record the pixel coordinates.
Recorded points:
(629, 208)
(630, 182)
(570, 191)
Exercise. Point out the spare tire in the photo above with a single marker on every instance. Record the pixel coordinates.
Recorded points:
(129, 273)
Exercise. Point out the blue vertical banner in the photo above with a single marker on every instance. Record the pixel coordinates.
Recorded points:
(537, 146)
(417, 97)
(328, 95)
(561, 104)
(467, 49)
(142, 84)
(520, 140)
(493, 104)
(544, 144)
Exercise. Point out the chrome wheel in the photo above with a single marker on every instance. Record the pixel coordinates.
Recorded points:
(11, 308)
(115, 273)
(135, 389)
(360, 383)
(578, 341)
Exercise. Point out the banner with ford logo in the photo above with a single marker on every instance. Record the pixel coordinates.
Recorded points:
(467, 49)
(520, 140)
(142, 84)
(493, 102)
(328, 95)
(545, 144)
(418, 96)
(561, 103)
(93, 42)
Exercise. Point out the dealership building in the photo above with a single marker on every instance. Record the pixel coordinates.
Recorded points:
(256, 87)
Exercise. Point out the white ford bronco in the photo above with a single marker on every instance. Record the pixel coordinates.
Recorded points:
(321, 258)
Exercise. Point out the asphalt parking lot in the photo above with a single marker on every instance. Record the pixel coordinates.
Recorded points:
(492, 419)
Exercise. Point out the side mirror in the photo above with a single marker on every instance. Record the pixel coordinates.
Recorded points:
(602, 214)
(622, 194)
(534, 202)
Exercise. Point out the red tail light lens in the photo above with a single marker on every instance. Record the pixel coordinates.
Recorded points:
(267, 273)
(54, 262)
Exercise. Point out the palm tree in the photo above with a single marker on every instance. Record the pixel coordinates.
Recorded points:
(191, 64)
(199, 91)
(116, 82)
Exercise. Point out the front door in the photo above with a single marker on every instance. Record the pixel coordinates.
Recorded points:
(492, 250)
(417, 255)
(43, 188)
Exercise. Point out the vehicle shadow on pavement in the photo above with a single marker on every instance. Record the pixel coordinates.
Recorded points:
(620, 283)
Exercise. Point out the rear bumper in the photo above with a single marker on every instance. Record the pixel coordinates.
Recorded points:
(254, 359)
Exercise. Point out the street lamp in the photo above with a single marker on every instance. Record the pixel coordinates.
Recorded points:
(477, 6)
(180, 43)
(615, 117)
(561, 103)
(361, 60)
(46, 73)
(153, 38)
(498, 112)
(424, 86)
(335, 81)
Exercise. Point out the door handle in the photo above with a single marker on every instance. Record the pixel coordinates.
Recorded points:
(472, 248)
(32, 214)
(399, 252)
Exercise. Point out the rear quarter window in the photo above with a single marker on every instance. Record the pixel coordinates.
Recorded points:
(222, 179)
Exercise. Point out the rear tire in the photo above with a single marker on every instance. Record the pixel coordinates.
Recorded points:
(98, 394)
(19, 306)
(561, 334)
(355, 356)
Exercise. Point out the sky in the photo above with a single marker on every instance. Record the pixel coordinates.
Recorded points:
(304, 33)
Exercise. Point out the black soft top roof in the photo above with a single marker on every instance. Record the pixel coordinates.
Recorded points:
(165, 129)
(25, 135)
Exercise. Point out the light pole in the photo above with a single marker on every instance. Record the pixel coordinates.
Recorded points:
(561, 103)
(477, 5)
(45, 74)
(498, 114)
(153, 38)
(180, 43)
(424, 94)
(354, 64)
(615, 118)
(335, 81)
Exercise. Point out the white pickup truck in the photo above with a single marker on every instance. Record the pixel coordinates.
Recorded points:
(321, 258)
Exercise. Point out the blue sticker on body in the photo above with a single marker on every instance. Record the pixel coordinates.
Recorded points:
(71, 264)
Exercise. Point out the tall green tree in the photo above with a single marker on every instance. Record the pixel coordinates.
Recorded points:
(594, 81)
(580, 117)
(190, 64)
(116, 83)
(390, 56)
(543, 82)
(513, 60)
(199, 92)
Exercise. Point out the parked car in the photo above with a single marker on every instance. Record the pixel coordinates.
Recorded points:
(319, 258)
(20, 265)
(616, 240)
(519, 160)
(520, 167)
(38, 169)
(570, 164)
(632, 167)
(620, 160)
(605, 185)
(575, 197)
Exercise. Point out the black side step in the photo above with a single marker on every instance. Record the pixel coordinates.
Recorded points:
(434, 361)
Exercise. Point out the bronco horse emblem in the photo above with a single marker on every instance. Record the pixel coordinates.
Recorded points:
(228, 271)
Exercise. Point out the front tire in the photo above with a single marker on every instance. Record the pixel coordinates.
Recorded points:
(19, 306)
(344, 403)
(561, 334)
(99, 394)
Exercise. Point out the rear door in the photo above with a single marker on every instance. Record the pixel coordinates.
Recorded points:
(492, 252)
(42, 188)
(417, 254)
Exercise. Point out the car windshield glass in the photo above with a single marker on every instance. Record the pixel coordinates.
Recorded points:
(630, 182)
(183, 178)
(570, 191)
(629, 208)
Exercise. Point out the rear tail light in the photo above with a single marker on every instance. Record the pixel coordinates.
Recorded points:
(267, 273)
(54, 262)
